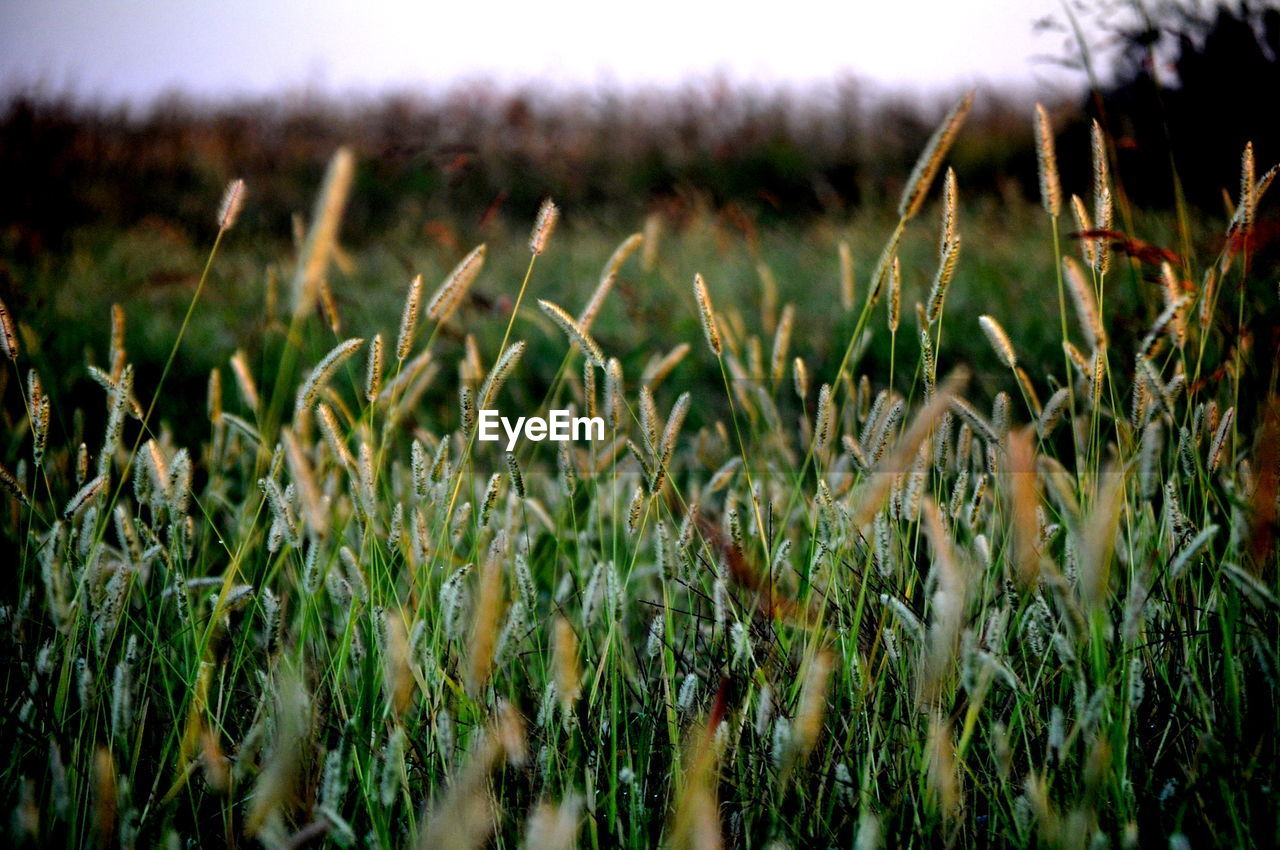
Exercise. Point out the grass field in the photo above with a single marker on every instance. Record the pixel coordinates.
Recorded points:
(933, 526)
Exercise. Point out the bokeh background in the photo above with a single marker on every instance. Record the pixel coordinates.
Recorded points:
(117, 112)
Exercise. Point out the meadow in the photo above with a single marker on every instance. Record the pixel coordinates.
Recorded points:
(932, 524)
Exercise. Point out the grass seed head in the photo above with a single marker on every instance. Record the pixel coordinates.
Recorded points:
(232, 204)
(999, 341)
(708, 316)
(548, 215)
(409, 318)
(574, 331)
(8, 333)
(930, 160)
(455, 287)
(1047, 163)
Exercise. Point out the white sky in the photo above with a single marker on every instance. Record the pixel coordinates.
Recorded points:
(133, 49)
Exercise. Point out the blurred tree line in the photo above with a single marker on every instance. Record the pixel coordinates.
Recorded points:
(1189, 84)
(477, 151)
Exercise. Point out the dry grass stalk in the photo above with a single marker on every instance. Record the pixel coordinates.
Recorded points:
(883, 267)
(565, 646)
(329, 307)
(313, 506)
(659, 368)
(1024, 493)
(104, 796)
(244, 380)
(926, 167)
(944, 769)
(695, 823)
(847, 280)
(652, 234)
(880, 479)
(1099, 537)
(465, 815)
(812, 705)
(83, 496)
(800, 374)
(948, 607)
(781, 342)
(484, 626)
(1052, 412)
(1102, 223)
(1221, 436)
(1248, 181)
(277, 782)
(620, 255)
(396, 669)
(768, 297)
(117, 355)
(554, 826)
(1028, 390)
(322, 238)
(613, 393)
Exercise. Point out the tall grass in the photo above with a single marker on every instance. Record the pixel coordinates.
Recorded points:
(839, 609)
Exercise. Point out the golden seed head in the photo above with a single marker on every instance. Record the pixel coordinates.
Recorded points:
(451, 292)
(409, 318)
(1086, 306)
(930, 160)
(548, 215)
(707, 315)
(999, 341)
(1047, 160)
(895, 294)
(8, 333)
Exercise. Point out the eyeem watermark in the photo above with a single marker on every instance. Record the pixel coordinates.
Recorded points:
(560, 427)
